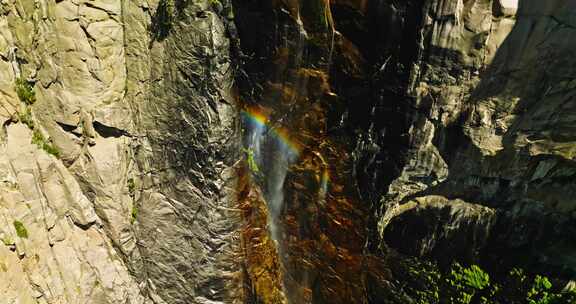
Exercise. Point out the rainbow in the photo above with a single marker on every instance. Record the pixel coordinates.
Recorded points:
(257, 117)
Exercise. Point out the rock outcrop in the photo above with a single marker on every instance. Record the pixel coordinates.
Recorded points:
(492, 126)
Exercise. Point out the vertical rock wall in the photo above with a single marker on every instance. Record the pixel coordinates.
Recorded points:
(492, 130)
(116, 184)
(462, 119)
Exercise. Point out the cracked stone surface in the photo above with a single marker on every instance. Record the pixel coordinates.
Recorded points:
(137, 205)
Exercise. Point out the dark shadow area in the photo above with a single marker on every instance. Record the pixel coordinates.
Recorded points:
(107, 131)
(530, 230)
(376, 103)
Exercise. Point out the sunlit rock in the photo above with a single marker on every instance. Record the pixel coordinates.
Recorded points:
(507, 7)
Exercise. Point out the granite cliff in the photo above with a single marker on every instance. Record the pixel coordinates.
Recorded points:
(281, 151)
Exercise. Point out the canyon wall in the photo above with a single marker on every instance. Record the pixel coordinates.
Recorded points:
(431, 129)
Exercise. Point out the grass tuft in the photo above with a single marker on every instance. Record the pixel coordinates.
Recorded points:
(26, 118)
(20, 230)
(25, 91)
(133, 214)
(39, 140)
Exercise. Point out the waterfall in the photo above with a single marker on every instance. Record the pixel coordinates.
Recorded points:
(274, 193)
(270, 153)
(271, 149)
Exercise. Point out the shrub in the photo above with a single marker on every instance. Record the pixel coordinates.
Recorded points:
(7, 241)
(252, 165)
(39, 140)
(20, 230)
(424, 276)
(464, 284)
(539, 293)
(475, 277)
(25, 91)
(26, 118)
(51, 149)
(163, 19)
(426, 284)
(37, 137)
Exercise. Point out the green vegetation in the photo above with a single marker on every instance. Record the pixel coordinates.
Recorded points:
(37, 137)
(39, 140)
(133, 214)
(426, 277)
(472, 285)
(25, 91)
(473, 277)
(26, 94)
(26, 118)
(252, 165)
(7, 241)
(20, 229)
(464, 283)
(539, 293)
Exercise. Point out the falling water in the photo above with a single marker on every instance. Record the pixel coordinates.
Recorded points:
(271, 150)
(272, 155)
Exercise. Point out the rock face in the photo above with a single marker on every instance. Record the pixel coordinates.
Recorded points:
(491, 128)
(116, 183)
(453, 121)
(433, 129)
